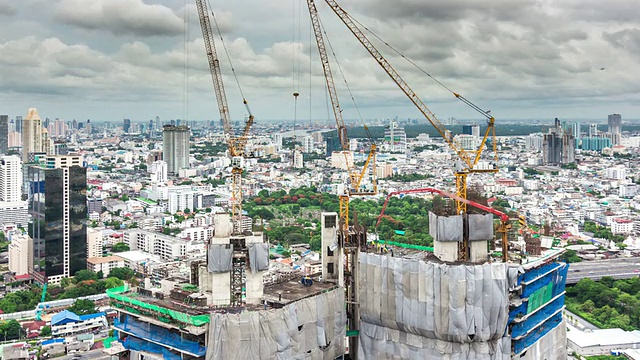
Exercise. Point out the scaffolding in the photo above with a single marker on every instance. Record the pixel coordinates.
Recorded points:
(137, 307)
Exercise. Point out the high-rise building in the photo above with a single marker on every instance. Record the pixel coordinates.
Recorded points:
(593, 130)
(175, 145)
(277, 140)
(615, 123)
(126, 125)
(395, 137)
(308, 144)
(20, 254)
(19, 124)
(10, 179)
(158, 171)
(58, 207)
(13, 210)
(4, 133)
(31, 135)
(298, 160)
(559, 147)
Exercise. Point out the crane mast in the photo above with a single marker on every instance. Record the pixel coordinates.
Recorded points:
(235, 144)
(469, 160)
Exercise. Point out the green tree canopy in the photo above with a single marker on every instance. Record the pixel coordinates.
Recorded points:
(120, 247)
(121, 273)
(83, 307)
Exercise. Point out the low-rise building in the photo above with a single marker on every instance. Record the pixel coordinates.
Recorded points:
(67, 323)
(105, 264)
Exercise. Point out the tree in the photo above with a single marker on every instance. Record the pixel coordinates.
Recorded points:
(303, 202)
(83, 275)
(65, 282)
(121, 273)
(46, 331)
(120, 247)
(100, 275)
(113, 282)
(83, 307)
(587, 306)
(316, 243)
(10, 329)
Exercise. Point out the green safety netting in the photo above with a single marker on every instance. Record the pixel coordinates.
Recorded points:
(117, 294)
(540, 297)
(406, 246)
(107, 342)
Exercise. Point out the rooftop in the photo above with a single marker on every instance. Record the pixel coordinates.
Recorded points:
(105, 259)
(603, 337)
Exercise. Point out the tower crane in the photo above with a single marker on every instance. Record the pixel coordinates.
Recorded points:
(235, 143)
(356, 176)
(468, 158)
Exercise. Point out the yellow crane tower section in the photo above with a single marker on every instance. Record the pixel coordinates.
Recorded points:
(469, 159)
(235, 144)
(355, 176)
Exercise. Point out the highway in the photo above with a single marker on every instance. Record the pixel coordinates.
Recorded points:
(621, 268)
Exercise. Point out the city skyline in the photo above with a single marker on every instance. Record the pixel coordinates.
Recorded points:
(93, 59)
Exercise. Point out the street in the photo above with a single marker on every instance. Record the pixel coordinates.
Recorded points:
(620, 268)
(87, 355)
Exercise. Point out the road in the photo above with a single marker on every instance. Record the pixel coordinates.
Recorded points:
(622, 268)
(87, 355)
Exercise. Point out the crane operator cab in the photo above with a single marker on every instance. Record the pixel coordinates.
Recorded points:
(237, 162)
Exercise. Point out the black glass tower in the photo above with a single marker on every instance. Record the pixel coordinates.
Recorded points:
(58, 206)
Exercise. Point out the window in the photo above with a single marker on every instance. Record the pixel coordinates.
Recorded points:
(330, 268)
(329, 252)
(330, 222)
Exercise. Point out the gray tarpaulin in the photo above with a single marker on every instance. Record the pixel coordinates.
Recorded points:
(219, 258)
(415, 309)
(259, 256)
(480, 227)
(311, 328)
(445, 228)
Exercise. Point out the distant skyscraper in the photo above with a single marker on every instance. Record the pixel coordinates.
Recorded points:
(175, 145)
(58, 206)
(308, 144)
(19, 124)
(158, 171)
(615, 124)
(558, 146)
(593, 130)
(126, 125)
(396, 137)
(31, 135)
(4, 134)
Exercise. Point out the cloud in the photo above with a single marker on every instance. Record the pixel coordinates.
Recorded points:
(7, 8)
(627, 39)
(120, 17)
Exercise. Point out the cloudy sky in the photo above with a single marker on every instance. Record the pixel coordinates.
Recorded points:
(522, 59)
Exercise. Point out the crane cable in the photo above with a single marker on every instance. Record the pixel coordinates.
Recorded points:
(458, 96)
(344, 79)
(226, 52)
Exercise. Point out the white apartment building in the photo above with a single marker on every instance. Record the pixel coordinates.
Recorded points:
(10, 179)
(197, 233)
(105, 264)
(159, 172)
(94, 243)
(617, 173)
(342, 159)
(621, 226)
(628, 190)
(20, 254)
(298, 160)
(307, 144)
(181, 199)
(167, 247)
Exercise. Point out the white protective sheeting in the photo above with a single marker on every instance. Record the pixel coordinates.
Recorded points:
(219, 258)
(311, 328)
(432, 308)
(445, 228)
(259, 256)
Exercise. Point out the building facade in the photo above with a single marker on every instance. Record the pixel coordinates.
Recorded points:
(4, 134)
(31, 135)
(175, 145)
(558, 147)
(58, 207)
(20, 254)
